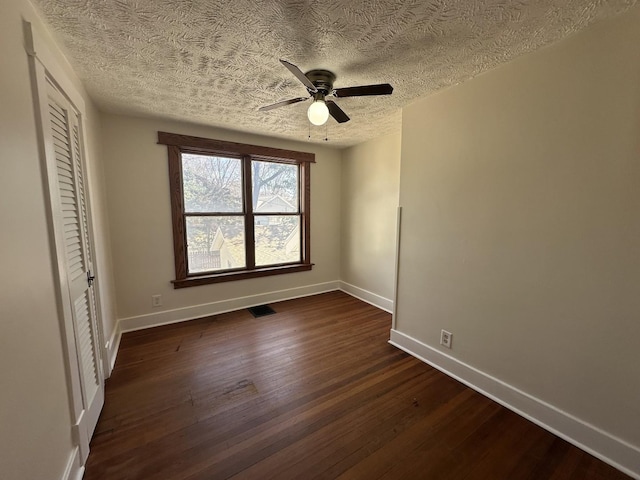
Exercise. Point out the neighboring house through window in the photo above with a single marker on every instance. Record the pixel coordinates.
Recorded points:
(239, 211)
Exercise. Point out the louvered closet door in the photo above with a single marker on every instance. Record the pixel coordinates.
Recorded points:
(65, 131)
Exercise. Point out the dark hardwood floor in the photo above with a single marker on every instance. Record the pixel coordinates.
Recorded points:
(313, 391)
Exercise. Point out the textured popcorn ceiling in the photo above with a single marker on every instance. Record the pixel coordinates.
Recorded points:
(216, 61)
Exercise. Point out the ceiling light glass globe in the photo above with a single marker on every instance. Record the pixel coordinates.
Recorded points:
(318, 113)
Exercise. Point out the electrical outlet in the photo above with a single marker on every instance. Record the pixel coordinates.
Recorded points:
(446, 338)
(156, 300)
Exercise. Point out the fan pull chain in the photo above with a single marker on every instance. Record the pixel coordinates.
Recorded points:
(326, 132)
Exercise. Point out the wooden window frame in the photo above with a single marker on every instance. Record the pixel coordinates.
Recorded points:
(179, 144)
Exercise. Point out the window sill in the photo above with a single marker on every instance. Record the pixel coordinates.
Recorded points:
(194, 281)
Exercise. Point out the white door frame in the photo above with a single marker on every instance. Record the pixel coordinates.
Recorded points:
(44, 65)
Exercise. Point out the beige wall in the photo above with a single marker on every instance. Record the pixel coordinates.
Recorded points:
(520, 235)
(370, 184)
(140, 217)
(102, 242)
(521, 224)
(35, 432)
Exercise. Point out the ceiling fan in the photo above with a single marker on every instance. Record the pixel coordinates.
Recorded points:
(319, 84)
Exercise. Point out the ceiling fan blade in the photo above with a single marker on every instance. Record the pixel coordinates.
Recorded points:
(380, 89)
(300, 76)
(336, 112)
(282, 103)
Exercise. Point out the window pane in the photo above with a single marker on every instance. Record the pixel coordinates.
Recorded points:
(215, 243)
(277, 239)
(212, 184)
(275, 187)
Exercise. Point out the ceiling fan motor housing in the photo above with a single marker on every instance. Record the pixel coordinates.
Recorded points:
(322, 79)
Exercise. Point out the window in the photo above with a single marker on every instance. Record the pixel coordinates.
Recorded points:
(239, 211)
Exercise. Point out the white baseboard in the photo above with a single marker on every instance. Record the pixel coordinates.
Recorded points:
(73, 471)
(165, 317)
(139, 322)
(367, 296)
(601, 444)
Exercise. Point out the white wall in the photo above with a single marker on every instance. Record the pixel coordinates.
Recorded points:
(370, 185)
(521, 225)
(35, 432)
(140, 221)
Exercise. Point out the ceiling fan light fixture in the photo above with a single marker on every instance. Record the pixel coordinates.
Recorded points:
(318, 112)
(319, 84)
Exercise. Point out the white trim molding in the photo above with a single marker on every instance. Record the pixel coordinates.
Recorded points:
(396, 271)
(140, 322)
(608, 448)
(52, 83)
(39, 47)
(73, 471)
(367, 296)
(166, 317)
(112, 347)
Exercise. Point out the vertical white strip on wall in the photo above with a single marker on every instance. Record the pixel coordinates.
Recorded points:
(397, 268)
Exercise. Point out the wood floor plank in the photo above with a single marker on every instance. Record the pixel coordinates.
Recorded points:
(313, 391)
